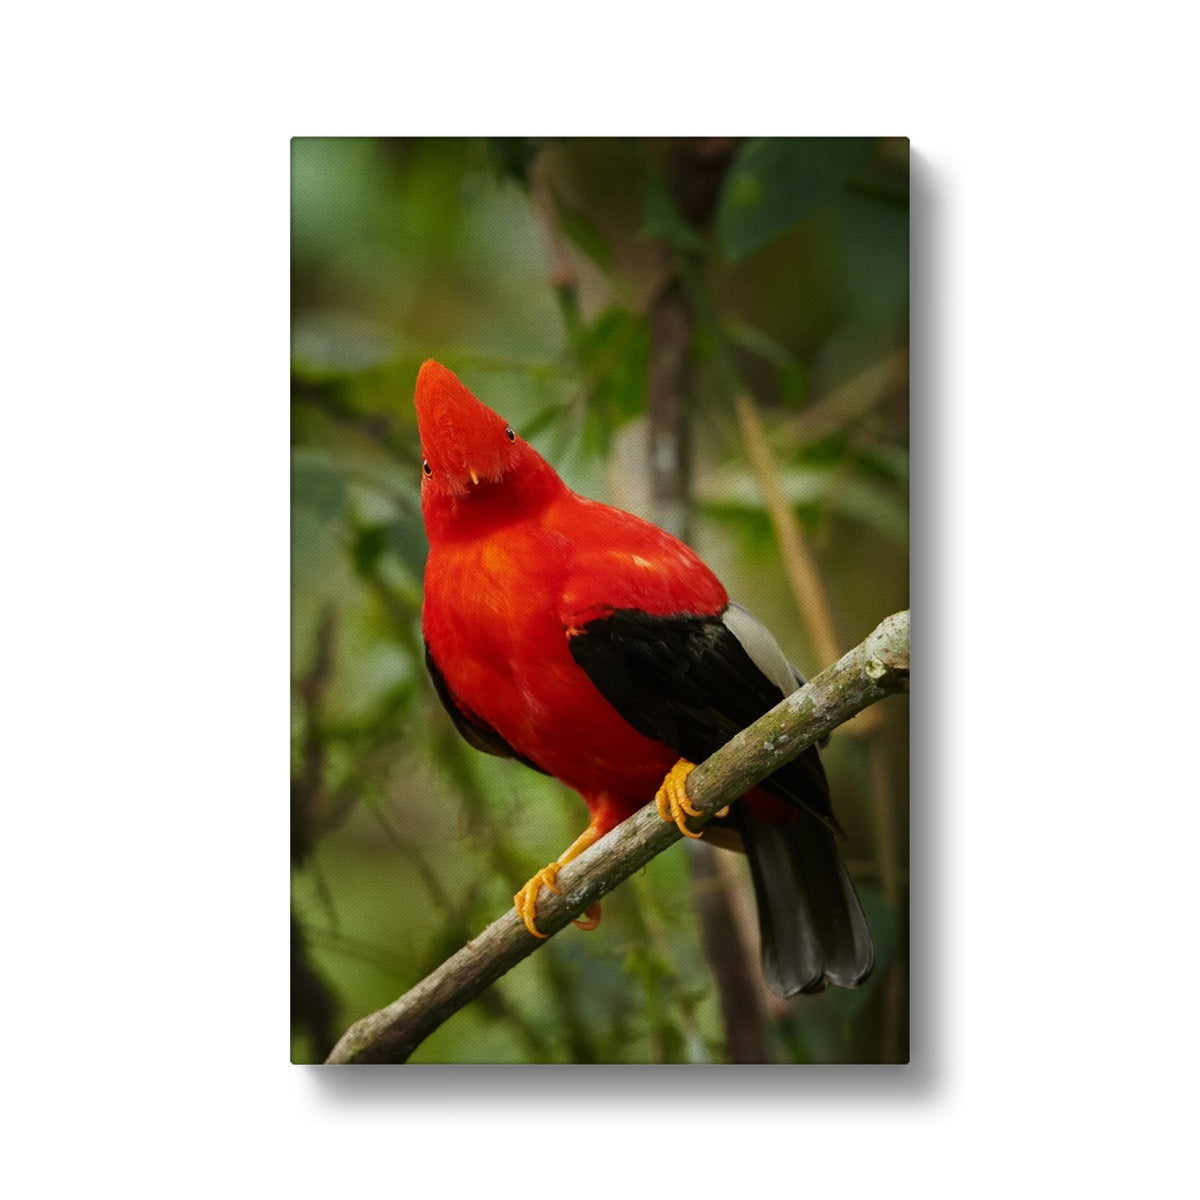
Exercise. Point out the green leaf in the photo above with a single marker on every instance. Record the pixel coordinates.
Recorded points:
(774, 183)
(540, 421)
(369, 544)
(406, 540)
(403, 539)
(583, 233)
(512, 157)
(319, 485)
(662, 218)
(886, 462)
(859, 498)
(760, 343)
(872, 240)
(614, 352)
(795, 383)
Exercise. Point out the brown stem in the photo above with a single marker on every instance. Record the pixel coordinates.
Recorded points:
(743, 1011)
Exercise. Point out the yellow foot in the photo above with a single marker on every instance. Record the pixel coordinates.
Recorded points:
(591, 918)
(526, 899)
(672, 798)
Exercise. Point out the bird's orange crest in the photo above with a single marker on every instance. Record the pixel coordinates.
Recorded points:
(464, 442)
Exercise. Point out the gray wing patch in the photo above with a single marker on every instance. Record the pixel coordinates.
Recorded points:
(764, 651)
(759, 643)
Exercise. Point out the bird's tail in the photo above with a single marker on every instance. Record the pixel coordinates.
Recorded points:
(810, 919)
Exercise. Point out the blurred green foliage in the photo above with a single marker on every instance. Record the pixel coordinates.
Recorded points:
(531, 269)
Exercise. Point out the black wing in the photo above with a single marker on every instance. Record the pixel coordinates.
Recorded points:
(690, 682)
(478, 733)
(694, 681)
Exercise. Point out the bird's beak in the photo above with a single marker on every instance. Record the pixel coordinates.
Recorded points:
(474, 477)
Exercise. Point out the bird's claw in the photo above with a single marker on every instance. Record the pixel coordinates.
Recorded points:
(526, 899)
(672, 798)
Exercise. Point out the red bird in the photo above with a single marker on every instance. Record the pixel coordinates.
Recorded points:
(595, 647)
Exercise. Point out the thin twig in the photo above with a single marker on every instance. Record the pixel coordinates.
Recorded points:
(798, 561)
(876, 668)
(851, 401)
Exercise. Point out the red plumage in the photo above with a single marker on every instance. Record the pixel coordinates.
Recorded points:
(600, 649)
(516, 562)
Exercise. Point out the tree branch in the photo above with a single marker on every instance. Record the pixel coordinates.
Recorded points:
(876, 668)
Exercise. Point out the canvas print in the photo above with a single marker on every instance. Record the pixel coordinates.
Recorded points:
(599, 600)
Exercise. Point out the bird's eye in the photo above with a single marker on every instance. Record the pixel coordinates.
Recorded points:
(508, 433)
(426, 467)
